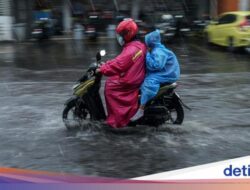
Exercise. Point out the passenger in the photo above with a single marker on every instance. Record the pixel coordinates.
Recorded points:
(161, 67)
(126, 73)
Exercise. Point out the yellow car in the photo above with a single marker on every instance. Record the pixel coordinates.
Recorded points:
(231, 30)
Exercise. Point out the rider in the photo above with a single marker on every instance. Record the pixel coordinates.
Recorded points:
(126, 73)
(162, 67)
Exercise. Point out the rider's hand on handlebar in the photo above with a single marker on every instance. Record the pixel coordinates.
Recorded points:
(97, 70)
(98, 67)
(102, 63)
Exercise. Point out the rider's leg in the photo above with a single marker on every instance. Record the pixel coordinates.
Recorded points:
(148, 91)
(139, 113)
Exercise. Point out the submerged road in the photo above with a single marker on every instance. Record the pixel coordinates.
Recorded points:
(36, 79)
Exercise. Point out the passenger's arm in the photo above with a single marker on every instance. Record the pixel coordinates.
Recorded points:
(156, 61)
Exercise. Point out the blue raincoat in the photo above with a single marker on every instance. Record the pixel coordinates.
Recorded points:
(162, 67)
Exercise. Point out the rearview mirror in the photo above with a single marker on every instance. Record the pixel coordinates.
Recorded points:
(100, 54)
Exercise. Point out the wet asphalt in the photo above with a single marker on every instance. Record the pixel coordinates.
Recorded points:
(36, 80)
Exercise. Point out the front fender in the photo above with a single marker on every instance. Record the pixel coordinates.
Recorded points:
(70, 100)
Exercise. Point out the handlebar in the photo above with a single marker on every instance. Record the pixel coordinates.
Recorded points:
(92, 69)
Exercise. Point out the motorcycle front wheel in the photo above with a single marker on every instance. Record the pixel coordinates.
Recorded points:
(75, 112)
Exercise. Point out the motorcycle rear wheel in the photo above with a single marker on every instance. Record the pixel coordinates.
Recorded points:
(79, 112)
(176, 113)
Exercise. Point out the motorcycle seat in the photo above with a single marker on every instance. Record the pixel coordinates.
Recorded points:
(165, 87)
(168, 85)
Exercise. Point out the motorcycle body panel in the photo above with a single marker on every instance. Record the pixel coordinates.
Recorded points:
(83, 88)
(88, 91)
(94, 103)
(166, 88)
(156, 111)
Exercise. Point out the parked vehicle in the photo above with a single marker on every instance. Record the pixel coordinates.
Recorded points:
(144, 28)
(41, 30)
(91, 32)
(86, 103)
(183, 26)
(198, 26)
(167, 26)
(46, 24)
(172, 26)
(232, 30)
(92, 26)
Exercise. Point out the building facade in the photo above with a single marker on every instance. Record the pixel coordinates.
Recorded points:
(230, 5)
(6, 20)
(16, 16)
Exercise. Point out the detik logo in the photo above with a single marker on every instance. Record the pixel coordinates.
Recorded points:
(236, 171)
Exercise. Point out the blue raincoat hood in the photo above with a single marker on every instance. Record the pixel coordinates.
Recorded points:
(153, 38)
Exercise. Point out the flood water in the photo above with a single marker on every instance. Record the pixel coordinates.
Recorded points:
(36, 80)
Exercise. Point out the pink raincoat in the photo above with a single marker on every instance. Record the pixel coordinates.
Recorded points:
(126, 73)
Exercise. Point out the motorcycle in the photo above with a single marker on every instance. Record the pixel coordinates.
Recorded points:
(86, 103)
